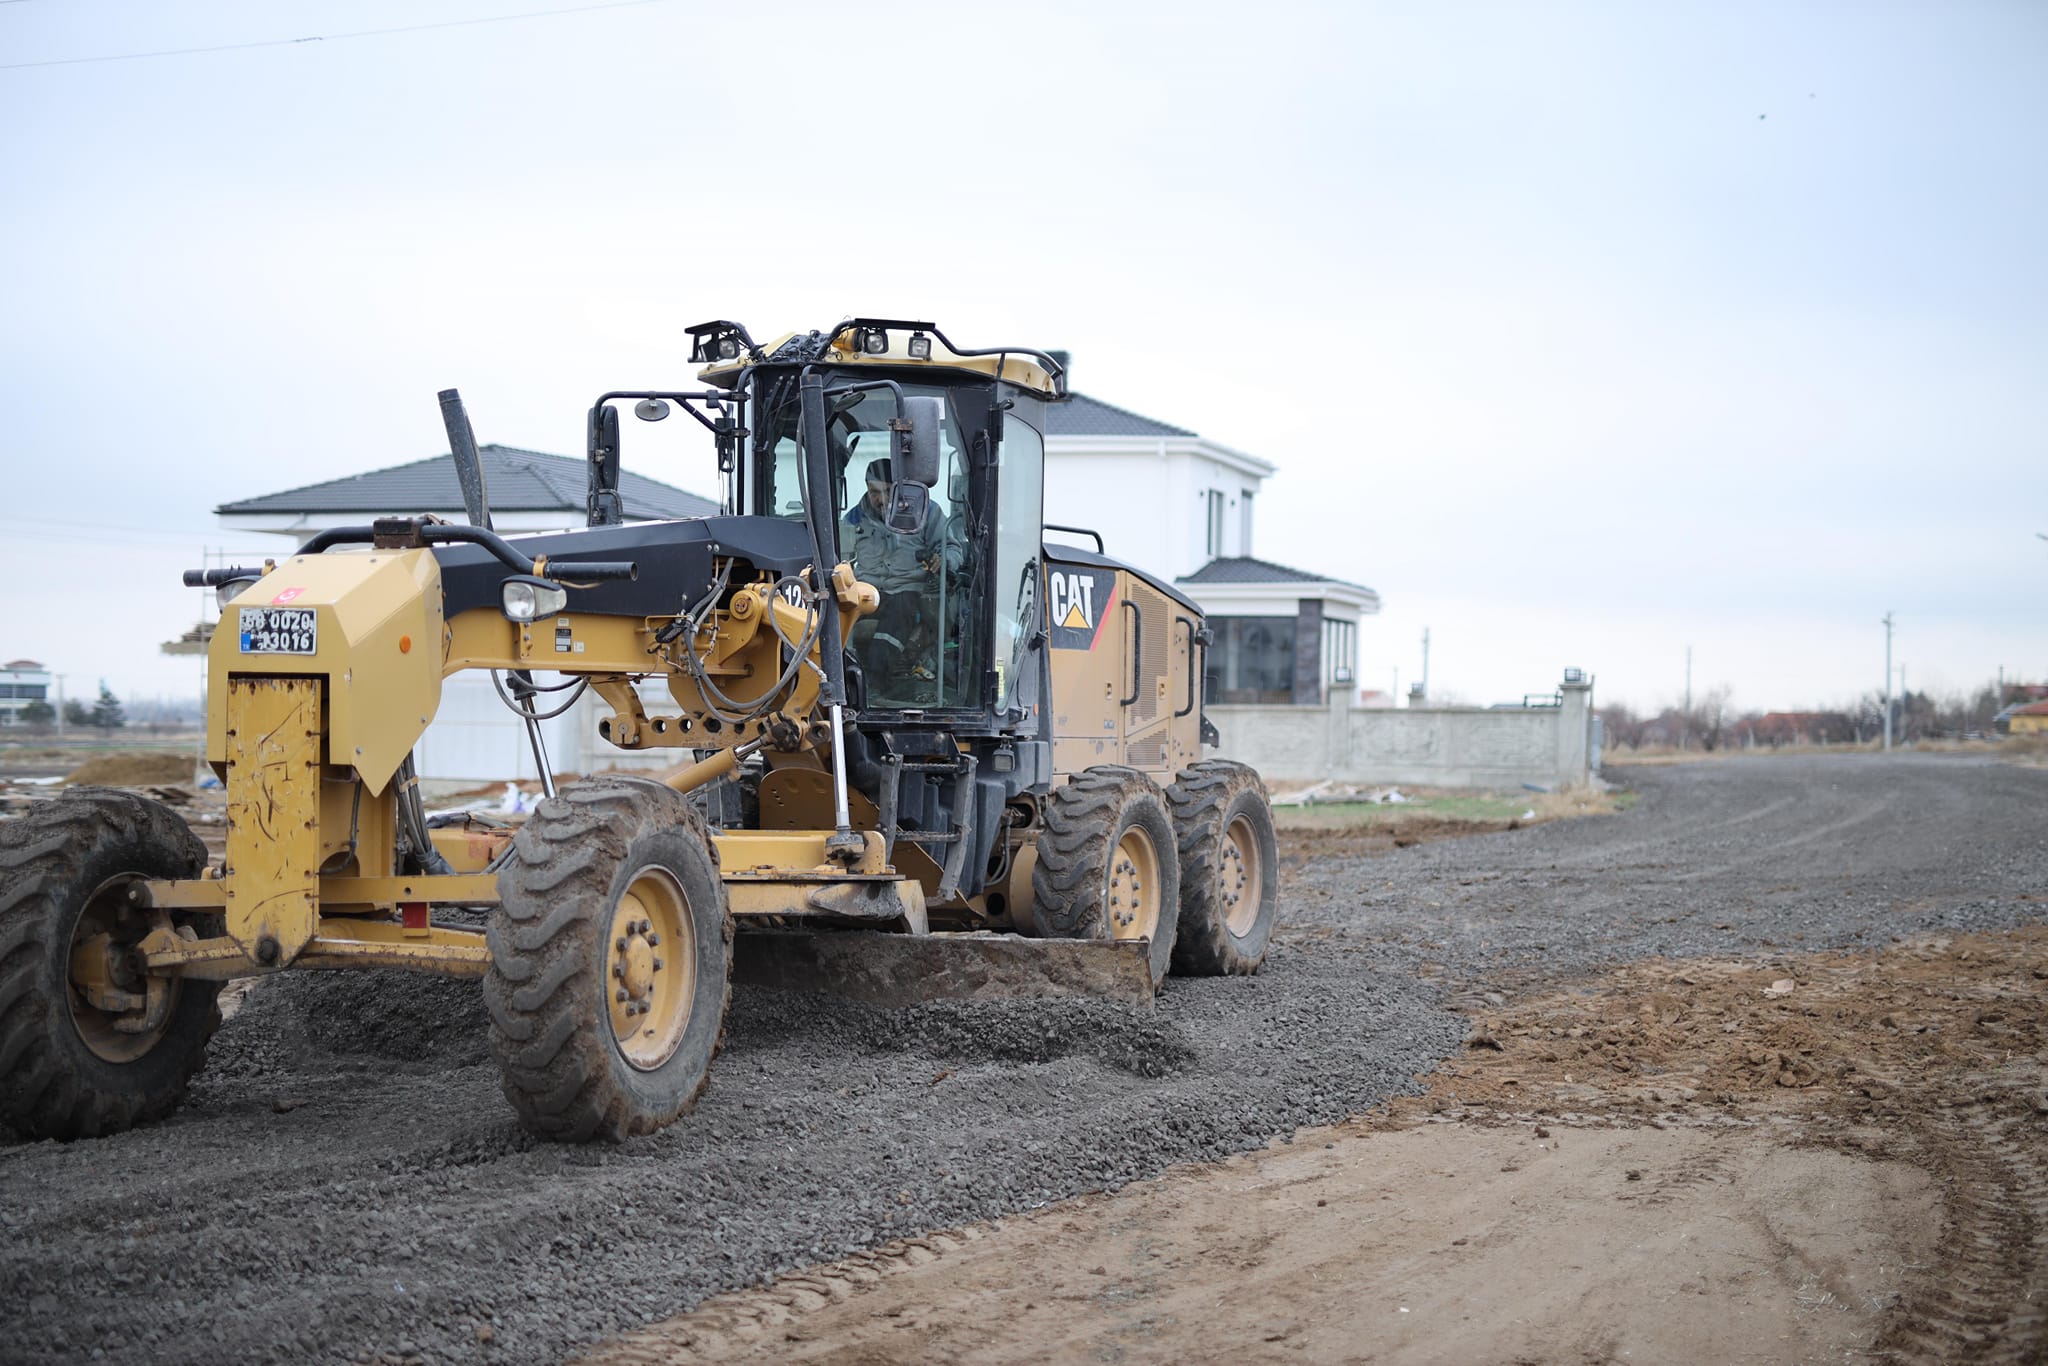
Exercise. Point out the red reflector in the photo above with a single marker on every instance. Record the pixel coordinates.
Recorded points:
(415, 913)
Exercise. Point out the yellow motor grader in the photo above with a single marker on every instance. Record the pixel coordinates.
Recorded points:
(919, 750)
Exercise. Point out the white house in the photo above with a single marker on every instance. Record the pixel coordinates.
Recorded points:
(1182, 507)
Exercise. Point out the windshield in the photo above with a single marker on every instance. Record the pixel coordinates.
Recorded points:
(920, 648)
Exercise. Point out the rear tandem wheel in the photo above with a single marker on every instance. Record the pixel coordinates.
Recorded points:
(611, 956)
(1229, 869)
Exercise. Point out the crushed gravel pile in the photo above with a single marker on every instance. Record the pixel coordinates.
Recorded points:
(347, 1180)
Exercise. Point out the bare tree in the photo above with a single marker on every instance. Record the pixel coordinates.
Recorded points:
(1709, 718)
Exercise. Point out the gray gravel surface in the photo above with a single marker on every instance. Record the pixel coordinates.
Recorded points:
(347, 1180)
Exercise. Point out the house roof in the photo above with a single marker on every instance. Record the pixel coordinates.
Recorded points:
(1245, 569)
(1081, 415)
(2031, 709)
(517, 480)
(25, 665)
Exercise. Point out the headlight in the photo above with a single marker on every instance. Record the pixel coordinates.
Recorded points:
(229, 591)
(527, 598)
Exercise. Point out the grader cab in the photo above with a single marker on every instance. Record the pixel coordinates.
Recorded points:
(919, 750)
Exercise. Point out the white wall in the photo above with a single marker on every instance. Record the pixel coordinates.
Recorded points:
(1146, 497)
(1439, 747)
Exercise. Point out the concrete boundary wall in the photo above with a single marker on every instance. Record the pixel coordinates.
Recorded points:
(1425, 746)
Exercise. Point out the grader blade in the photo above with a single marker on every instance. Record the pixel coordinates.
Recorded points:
(901, 969)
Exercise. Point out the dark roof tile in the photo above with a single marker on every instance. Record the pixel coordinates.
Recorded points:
(1245, 569)
(518, 481)
(1081, 415)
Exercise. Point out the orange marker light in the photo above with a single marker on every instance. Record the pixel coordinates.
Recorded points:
(405, 645)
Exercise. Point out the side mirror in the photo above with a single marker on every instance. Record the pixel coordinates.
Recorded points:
(908, 506)
(603, 502)
(917, 453)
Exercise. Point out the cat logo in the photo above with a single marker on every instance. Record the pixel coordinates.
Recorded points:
(1073, 600)
(1077, 602)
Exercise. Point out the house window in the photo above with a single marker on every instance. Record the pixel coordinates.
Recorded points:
(1340, 651)
(1244, 522)
(1251, 659)
(1212, 544)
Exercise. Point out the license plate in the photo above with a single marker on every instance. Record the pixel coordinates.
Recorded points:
(280, 631)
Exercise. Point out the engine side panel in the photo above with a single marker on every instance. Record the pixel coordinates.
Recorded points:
(1125, 676)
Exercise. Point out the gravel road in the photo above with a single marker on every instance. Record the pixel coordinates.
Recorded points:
(347, 1182)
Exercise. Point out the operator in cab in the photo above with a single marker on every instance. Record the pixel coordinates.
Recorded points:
(899, 642)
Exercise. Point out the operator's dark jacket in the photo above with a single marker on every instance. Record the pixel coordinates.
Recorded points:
(893, 561)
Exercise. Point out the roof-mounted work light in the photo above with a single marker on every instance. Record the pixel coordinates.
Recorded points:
(871, 341)
(713, 342)
(920, 346)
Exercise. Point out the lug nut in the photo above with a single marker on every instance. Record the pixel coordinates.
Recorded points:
(619, 971)
(646, 925)
(620, 994)
(653, 940)
(657, 965)
(619, 945)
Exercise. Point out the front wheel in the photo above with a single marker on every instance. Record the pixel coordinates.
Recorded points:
(1106, 867)
(611, 956)
(89, 1043)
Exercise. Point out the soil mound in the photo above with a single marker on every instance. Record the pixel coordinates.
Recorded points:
(133, 770)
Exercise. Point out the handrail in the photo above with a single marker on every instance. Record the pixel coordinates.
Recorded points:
(1077, 531)
(1137, 647)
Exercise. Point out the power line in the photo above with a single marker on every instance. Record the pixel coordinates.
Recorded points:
(326, 37)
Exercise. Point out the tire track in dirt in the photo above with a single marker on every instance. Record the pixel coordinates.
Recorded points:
(1984, 1298)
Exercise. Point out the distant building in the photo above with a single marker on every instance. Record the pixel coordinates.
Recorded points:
(1181, 507)
(529, 491)
(2031, 719)
(22, 681)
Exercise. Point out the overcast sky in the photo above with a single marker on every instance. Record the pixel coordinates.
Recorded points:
(1582, 333)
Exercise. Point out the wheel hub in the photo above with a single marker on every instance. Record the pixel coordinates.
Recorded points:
(1238, 880)
(1131, 897)
(118, 1009)
(650, 968)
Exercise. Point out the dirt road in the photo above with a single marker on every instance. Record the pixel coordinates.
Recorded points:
(347, 1181)
(1698, 1161)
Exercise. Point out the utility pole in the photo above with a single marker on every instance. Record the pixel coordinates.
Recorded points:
(1685, 712)
(60, 706)
(1887, 682)
(1425, 661)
